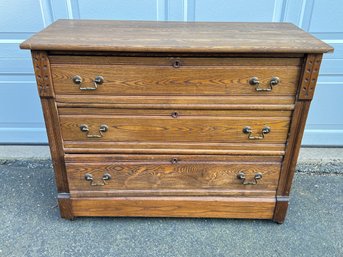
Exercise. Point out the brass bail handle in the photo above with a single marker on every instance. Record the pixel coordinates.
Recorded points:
(102, 129)
(264, 131)
(104, 179)
(242, 177)
(254, 81)
(96, 82)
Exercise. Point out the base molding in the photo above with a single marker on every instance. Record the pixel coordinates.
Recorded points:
(64, 203)
(187, 207)
(280, 209)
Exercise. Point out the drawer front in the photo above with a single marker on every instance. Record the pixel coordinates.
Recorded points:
(95, 175)
(187, 78)
(176, 126)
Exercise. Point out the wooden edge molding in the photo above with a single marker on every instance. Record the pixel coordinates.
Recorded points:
(65, 206)
(41, 67)
(90, 149)
(310, 76)
(280, 209)
(98, 52)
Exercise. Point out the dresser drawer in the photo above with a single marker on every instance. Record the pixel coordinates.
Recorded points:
(176, 126)
(174, 76)
(136, 175)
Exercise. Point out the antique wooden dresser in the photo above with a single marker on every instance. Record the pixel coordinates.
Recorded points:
(175, 119)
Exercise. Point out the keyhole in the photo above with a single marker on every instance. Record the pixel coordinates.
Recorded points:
(176, 63)
(174, 160)
(175, 114)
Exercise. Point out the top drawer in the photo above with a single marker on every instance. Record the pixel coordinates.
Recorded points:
(174, 76)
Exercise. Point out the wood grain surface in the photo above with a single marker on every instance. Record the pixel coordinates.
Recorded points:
(109, 158)
(175, 107)
(89, 110)
(164, 60)
(164, 80)
(310, 76)
(170, 175)
(246, 102)
(42, 70)
(187, 207)
(206, 129)
(154, 36)
(50, 112)
(251, 148)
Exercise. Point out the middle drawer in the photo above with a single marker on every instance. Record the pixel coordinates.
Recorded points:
(202, 126)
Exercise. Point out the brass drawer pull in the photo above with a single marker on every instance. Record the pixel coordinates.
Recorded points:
(105, 178)
(102, 129)
(96, 82)
(248, 130)
(241, 176)
(254, 81)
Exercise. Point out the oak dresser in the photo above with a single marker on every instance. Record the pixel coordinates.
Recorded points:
(175, 119)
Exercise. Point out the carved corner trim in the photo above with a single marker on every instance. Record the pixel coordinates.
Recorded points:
(43, 76)
(310, 76)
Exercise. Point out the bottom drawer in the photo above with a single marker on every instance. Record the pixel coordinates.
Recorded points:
(164, 175)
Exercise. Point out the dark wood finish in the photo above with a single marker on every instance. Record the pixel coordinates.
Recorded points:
(152, 36)
(175, 110)
(186, 207)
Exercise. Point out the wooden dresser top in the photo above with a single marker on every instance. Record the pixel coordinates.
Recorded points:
(153, 36)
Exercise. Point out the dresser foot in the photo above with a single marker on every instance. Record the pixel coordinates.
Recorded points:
(280, 209)
(64, 204)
